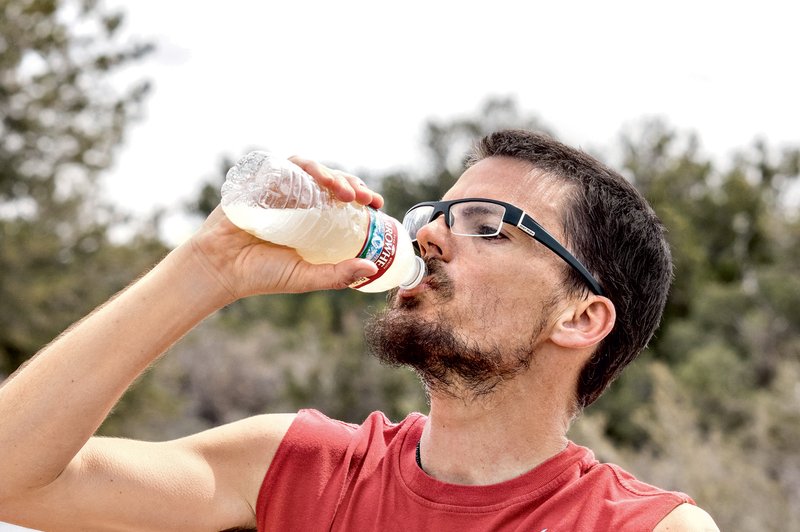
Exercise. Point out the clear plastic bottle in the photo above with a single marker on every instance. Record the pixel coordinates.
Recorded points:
(275, 200)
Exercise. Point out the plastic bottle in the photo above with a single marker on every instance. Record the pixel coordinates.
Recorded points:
(275, 200)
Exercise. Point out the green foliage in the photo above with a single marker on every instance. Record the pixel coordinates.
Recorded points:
(61, 118)
(746, 478)
(736, 285)
(715, 420)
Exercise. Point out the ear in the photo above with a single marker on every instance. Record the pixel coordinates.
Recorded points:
(585, 323)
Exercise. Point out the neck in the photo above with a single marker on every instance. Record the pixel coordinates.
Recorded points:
(492, 438)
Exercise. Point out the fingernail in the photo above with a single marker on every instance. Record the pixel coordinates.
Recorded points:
(364, 272)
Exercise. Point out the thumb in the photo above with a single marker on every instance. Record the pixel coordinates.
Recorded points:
(342, 274)
(352, 270)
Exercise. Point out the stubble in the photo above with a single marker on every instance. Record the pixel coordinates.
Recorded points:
(446, 359)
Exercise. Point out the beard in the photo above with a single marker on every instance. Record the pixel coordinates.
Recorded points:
(445, 360)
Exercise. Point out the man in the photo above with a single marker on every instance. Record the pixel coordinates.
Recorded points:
(510, 333)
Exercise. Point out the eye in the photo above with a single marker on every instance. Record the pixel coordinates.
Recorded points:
(487, 230)
(490, 234)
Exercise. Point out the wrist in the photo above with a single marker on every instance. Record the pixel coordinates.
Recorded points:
(206, 286)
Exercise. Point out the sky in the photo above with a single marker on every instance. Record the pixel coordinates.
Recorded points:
(352, 83)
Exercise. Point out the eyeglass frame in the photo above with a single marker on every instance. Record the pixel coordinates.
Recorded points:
(516, 217)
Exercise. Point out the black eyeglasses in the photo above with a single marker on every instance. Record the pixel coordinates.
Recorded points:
(480, 217)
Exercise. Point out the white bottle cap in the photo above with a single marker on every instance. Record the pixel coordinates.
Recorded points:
(416, 278)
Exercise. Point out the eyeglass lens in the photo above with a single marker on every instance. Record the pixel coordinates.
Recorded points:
(416, 218)
(469, 218)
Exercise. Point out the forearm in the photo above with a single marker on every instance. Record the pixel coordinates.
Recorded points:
(50, 408)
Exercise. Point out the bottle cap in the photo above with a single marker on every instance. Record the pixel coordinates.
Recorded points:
(416, 278)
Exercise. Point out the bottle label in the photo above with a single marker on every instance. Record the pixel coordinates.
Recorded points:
(380, 247)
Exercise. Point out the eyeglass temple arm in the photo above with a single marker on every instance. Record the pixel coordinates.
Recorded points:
(527, 224)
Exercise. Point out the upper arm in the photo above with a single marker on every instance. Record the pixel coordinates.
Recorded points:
(207, 481)
(687, 518)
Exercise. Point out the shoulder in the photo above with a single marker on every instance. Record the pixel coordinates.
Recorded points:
(638, 505)
(258, 431)
(687, 518)
(312, 429)
(316, 422)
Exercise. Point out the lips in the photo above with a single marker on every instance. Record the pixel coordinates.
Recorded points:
(437, 283)
(408, 293)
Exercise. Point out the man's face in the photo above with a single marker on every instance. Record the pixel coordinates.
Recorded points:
(486, 304)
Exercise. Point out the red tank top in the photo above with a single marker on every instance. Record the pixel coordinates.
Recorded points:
(330, 475)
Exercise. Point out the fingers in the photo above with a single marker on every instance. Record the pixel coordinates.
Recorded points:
(333, 276)
(352, 270)
(344, 186)
(363, 194)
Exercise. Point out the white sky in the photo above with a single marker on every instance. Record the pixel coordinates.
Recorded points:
(352, 82)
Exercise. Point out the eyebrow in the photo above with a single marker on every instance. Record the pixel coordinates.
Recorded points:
(476, 209)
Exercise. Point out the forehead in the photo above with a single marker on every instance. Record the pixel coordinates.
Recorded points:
(514, 181)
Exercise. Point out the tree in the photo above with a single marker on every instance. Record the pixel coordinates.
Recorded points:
(61, 119)
(716, 391)
(731, 234)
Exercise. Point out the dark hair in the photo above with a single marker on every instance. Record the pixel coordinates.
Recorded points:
(614, 232)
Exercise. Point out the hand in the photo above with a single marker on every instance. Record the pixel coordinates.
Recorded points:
(344, 186)
(243, 265)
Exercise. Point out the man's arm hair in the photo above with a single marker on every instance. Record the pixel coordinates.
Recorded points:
(54, 476)
(207, 481)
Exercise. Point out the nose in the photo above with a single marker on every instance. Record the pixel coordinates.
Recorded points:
(433, 239)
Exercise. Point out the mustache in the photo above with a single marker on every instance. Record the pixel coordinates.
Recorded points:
(437, 279)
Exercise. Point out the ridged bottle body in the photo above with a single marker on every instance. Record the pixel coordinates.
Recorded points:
(275, 200)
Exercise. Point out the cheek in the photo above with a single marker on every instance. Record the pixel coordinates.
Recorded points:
(508, 298)
(500, 288)
(495, 307)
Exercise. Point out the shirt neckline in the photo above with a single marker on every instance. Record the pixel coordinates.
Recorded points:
(539, 482)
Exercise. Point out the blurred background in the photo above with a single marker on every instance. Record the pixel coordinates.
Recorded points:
(119, 120)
